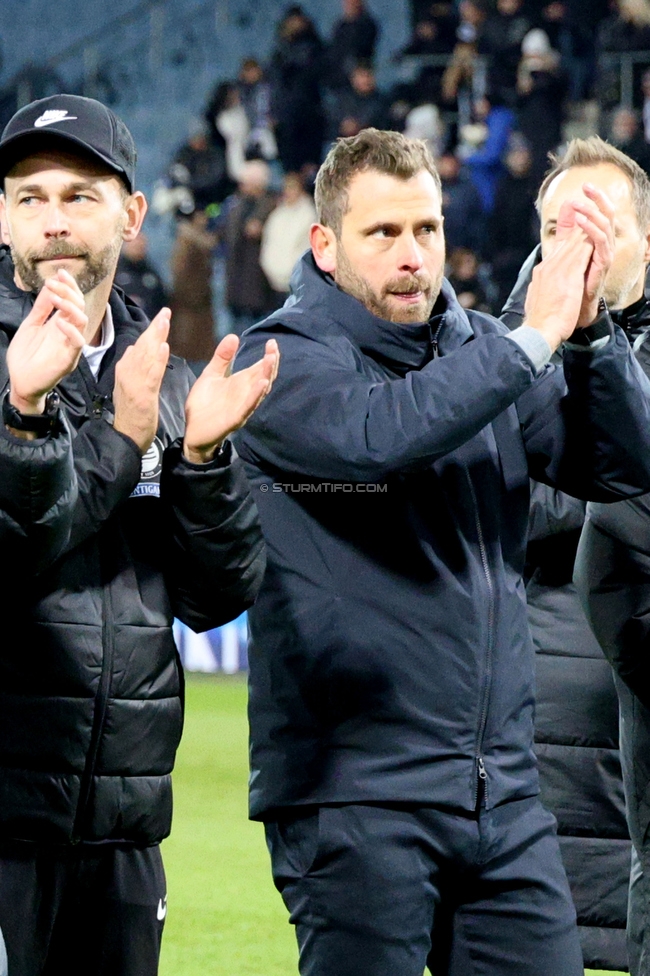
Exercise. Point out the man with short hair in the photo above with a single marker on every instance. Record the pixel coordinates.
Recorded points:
(162, 525)
(575, 744)
(391, 669)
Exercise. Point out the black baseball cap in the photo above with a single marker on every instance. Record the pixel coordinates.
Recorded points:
(71, 119)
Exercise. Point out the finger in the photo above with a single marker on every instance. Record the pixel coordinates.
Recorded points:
(156, 332)
(70, 311)
(71, 332)
(601, 200)
(592, 213)
(224, 355)
(599, 237)
(64, 279)
(273, 350)
(42, 308)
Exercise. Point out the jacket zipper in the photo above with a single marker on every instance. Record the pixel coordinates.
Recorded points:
(434, 341)
(99, 715)
(481, 790)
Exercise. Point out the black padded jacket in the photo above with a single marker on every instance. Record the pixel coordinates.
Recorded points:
(577, 711)
(91, 704)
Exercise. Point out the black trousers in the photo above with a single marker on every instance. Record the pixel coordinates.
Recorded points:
(382, 891)
(82, 911)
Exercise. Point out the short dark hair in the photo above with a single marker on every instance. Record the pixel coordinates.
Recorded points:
(594, 151)
(372, 149)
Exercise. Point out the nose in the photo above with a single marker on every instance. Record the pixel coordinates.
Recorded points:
(56, 222)
(409, 255)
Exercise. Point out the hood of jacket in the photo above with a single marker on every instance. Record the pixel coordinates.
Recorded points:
(400, 347)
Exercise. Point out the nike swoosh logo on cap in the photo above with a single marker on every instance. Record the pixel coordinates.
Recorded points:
(52, 116)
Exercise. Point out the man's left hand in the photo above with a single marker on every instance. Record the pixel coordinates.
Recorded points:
(221, 402)
(595, 216)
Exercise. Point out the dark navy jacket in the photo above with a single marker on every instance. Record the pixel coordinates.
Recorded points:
(390, 657)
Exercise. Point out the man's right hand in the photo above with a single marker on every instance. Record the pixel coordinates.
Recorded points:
(46, 346)
(138, 377)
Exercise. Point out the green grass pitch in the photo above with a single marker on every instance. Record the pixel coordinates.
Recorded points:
(224, 916)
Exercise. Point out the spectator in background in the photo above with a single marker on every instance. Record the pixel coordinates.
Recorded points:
(459, 72)
(138, 278)
(362, 106)
(354, 39)
(200, 166)
(285, 236)
(463, 276)
(229, 126)
(485, 163)
(424, 122)
(295, 73)
(645, 89)
(461, 205)
(627, 28)
(552, 20)
(578, 44)
(540, 90)
(427, 38)
(255, 98)
(191, 334)
(249, 295)
(501, 37)
(626, 135)
(514, 227)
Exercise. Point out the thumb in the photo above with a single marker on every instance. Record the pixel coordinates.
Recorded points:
(42, 307)
(224, 354)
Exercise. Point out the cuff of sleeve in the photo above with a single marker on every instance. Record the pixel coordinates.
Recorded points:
(533, 344)
(222, 458)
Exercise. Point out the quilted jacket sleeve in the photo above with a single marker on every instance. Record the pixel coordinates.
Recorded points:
(38, 493)
(216, 552)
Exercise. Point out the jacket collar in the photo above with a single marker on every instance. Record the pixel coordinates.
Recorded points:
(401, 346)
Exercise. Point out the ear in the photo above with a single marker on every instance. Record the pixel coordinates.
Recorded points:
(136, 208)
(323, 247)
(4, 226)
(646, 256)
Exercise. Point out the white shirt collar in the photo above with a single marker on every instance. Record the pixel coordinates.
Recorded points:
(95, 354)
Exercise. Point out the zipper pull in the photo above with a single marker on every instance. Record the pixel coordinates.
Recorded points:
(98, 406)
(482, 772)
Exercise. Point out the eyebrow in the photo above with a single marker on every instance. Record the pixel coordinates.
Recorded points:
(69, 188)
(390, 225)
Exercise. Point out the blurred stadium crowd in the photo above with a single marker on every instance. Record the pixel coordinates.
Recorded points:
(493, 87)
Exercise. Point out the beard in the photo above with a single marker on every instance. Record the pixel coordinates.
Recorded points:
(382, 305)
(96, 267)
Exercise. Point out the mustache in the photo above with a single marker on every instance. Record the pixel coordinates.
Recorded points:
(408, 285)
(62, 249)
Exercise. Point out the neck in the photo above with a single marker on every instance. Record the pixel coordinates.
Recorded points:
(96, 302)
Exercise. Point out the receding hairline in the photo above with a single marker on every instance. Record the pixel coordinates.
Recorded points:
(345, 192)
(590, 153)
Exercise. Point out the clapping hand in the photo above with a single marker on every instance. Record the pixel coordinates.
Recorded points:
(138, 378)
(594, 215)
(221, 402)
(47, 346)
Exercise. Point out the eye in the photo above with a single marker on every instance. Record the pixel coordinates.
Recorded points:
(27, 201)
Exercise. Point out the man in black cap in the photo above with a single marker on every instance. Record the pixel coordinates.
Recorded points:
(164, 526)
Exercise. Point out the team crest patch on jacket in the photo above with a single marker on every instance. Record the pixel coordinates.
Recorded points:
(149, 483)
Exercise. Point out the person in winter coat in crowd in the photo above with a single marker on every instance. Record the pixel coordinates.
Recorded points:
(191, 335)
(576, 730)
(138, 278)
(391, 668)
(163, 525)
(249, 295)
(285, 236)
(295, 74)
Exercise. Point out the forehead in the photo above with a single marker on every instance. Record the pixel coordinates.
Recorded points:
(568, 185)
(50, 168)
(376, 197)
